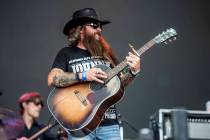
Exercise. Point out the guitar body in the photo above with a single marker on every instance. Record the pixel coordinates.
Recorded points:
(79, 108)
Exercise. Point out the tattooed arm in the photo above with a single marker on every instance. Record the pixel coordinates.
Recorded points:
(126, 78)
(58, 78)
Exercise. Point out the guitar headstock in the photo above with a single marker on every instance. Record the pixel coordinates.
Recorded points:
(169, 34)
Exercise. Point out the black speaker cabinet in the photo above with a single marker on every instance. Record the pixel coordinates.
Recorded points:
(176, 124)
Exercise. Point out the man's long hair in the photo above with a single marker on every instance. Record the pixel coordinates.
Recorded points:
(73, 37)
(96, 47)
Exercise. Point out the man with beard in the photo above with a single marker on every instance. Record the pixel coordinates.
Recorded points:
(76, 63)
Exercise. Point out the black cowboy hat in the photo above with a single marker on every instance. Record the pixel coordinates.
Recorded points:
(81, 17)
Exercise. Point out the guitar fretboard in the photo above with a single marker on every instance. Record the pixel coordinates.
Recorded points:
(117, 69)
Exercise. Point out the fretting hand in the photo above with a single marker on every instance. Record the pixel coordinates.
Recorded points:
(134, 63)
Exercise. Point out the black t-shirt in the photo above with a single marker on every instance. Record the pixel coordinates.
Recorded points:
(74, 59)
(48, 135)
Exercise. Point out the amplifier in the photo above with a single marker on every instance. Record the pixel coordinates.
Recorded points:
(165, 128)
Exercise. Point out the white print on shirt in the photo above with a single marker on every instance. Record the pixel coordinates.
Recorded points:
(86, 63)
(110, 116)
(84, 58)
(110, 113)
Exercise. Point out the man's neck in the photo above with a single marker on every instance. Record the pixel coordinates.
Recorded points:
(28, 120)
(81, 46)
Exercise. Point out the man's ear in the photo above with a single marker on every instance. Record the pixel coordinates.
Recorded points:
(24, 104)
(81, 28)
(81, 31)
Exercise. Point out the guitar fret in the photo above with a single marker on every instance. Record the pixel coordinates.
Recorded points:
(146, 47)
(117, 69)
(123, 64)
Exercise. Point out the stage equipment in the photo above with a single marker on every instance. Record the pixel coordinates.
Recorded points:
(180, 124)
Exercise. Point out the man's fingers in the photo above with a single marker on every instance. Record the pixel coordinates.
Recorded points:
(99, 71)
(99, 80)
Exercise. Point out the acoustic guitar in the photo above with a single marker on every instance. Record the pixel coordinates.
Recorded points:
(79, 108)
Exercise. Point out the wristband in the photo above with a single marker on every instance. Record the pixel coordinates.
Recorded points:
(83, 76)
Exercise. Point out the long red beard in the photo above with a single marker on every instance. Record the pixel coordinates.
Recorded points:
(108, 52)
(100, 47)
(93, 45)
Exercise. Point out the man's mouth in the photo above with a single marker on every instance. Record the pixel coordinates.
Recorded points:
(97, 36)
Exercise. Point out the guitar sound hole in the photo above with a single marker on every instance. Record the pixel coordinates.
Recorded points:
(96, 86)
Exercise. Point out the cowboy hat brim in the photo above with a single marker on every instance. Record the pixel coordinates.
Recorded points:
(81, 21)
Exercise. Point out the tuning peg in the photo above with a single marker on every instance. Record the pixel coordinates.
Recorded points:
(165, 42)
(170, 40)
(174, 38)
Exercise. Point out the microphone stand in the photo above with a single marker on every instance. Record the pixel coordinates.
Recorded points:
(120, 125)
(122, 121)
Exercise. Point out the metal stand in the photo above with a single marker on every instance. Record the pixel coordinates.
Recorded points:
(121, 126)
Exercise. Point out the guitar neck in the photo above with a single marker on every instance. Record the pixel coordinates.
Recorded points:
(49, 126)
(146, 47)
(123, 64)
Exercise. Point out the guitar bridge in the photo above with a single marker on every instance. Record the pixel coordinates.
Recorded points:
(80, 97)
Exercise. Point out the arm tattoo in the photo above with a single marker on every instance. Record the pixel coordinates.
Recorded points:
(64, 80)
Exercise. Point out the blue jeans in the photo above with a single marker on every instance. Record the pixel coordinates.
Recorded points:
(111, 132)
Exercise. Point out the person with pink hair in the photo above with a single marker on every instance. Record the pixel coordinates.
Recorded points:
(31, 104)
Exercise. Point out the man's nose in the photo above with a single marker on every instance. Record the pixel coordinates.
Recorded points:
(99, 29)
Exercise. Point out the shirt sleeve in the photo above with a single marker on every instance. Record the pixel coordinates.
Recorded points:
(60, 61)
